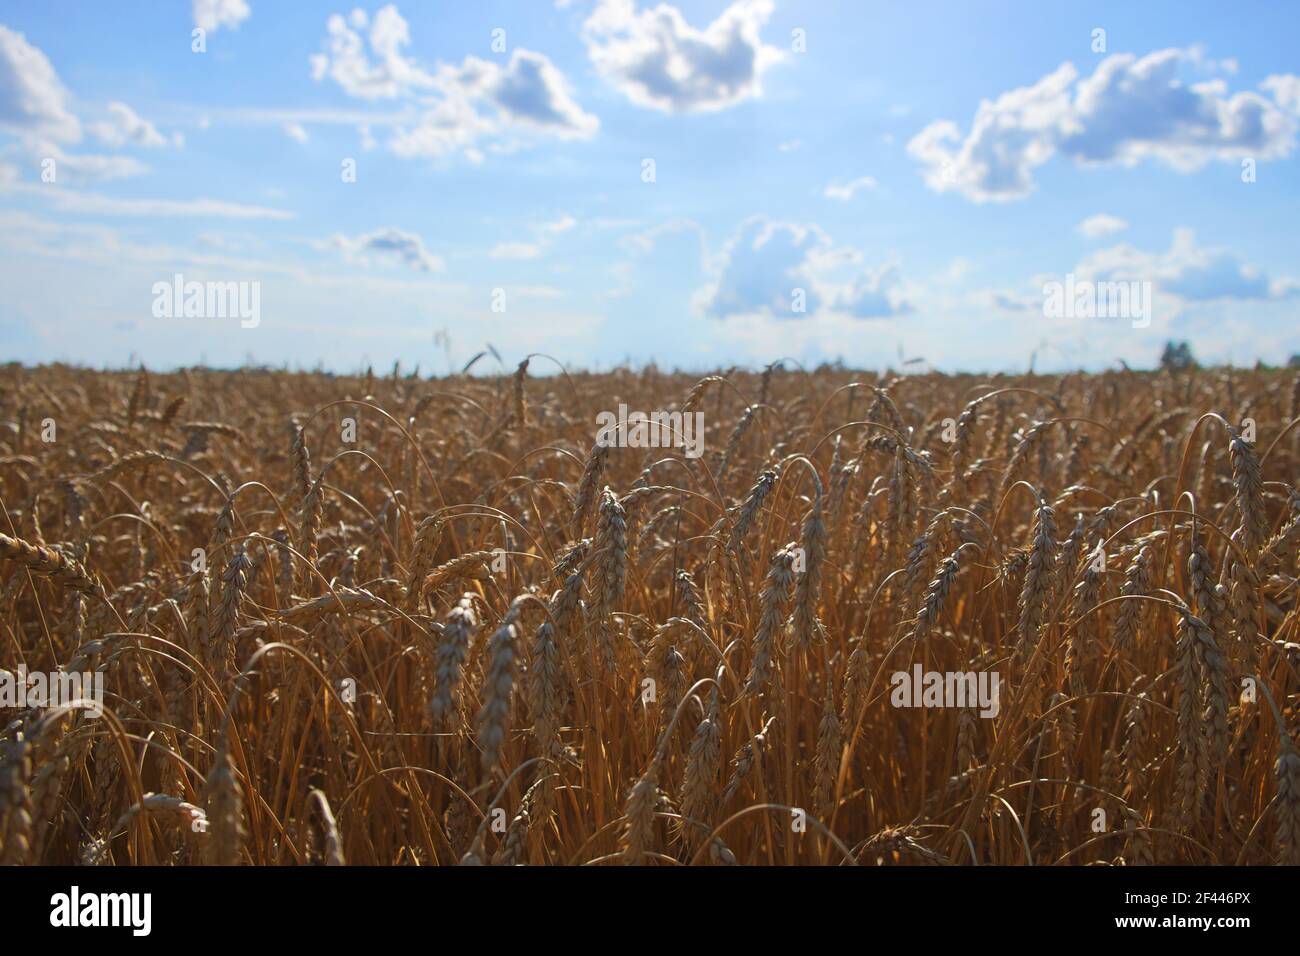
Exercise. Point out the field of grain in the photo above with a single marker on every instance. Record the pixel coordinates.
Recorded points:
(384, 619)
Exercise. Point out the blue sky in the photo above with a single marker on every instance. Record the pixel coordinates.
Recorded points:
(915, 172)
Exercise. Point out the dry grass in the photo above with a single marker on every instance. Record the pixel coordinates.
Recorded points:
(433, 645)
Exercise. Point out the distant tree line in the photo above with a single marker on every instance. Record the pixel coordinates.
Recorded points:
(1178, 357)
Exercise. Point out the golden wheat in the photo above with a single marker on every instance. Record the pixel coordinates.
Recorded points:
(467, 633)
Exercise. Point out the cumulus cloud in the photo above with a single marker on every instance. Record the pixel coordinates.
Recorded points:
(124, 127)
(34, 107)
(460, 104)
(1129, 110)
(214, 14)
(1188, 270)
(531, 90)
(447, 125)
(1285, 88)
(763, 269)
(388, 244)
(1102, 224)
(383, 73)
(844, 191)
(875, 294)
(1008, 138)
(1185, 276)
(33, 102)
(528, 90)
(658, 60)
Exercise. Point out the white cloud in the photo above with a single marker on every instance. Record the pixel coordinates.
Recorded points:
(527, 93)
(1206, 289)
(1285, 88)
(532, 91)
(214, 14)
(125, 127)
(459, 104)
(32, 100)
(1008, 137)
(449, 125)
(1229, 308)
(34, 106)
(762, 269)
(875, 294)
(844, 192)
(1102, 224)
(390, 244)
(1189, 271)
(388, 75)
(295, 132)
(1127, 111)
(1132, 109)
(658, 60)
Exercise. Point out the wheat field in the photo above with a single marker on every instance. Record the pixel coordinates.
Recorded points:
(386, 619)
